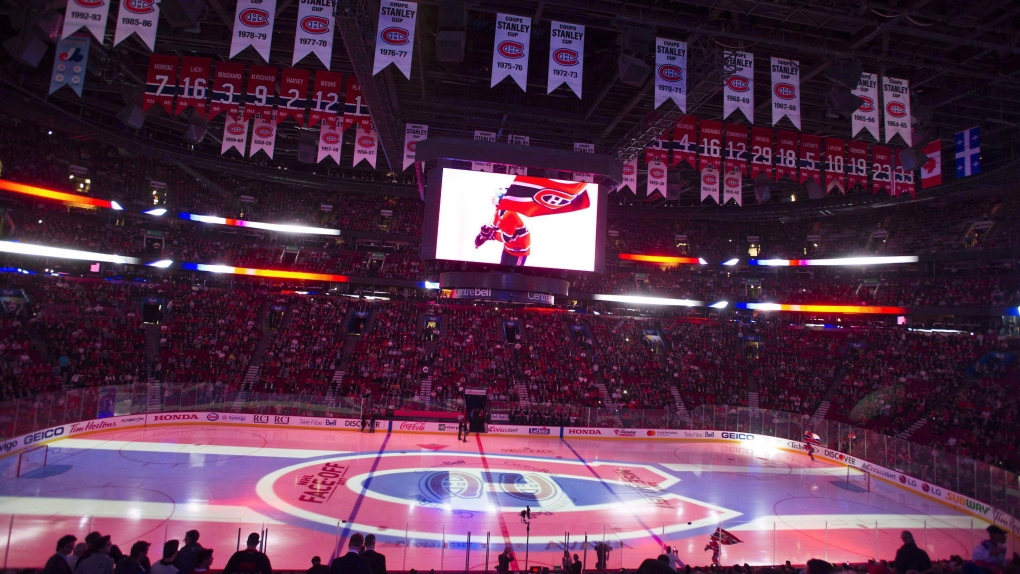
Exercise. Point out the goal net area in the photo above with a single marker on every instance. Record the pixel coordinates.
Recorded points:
(858, 477)
(32, 459)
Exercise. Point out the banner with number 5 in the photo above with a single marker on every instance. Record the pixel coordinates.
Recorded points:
(226, 95)
(161, 83)
(194, 84)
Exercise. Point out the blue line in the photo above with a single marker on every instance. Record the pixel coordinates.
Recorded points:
(364, 489)
(610, 490)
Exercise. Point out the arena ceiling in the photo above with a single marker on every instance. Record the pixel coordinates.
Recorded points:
(962, 59)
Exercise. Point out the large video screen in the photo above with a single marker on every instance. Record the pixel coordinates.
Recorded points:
(518, 220)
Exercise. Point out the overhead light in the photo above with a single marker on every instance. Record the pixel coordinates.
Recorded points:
(158, 212)
(430, 285)
(44, 193)
(662, 259)
(61, 253)
(731, 262)
(283, 228)
(837, 262)
(846, 309)
(116, 206)
(640, 300)
(162, 263)
(719, 305)
(702, 261)
(272, 273)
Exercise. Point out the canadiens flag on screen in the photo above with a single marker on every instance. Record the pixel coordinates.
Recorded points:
(394, 41)
(253, 26)
(536, 196)
(511, 49)
(314, 33)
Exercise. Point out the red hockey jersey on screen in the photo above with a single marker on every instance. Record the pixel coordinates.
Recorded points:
(535, 196)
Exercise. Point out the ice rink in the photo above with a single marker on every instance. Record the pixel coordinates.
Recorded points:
(424, 494)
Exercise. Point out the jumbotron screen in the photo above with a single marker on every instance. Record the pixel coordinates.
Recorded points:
(518, 220)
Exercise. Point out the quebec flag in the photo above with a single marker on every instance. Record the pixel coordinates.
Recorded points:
(968, 152)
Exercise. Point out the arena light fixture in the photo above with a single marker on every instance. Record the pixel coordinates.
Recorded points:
(731, 262)
(846, 309)
(837, 262)
(269, 273)
(282, 228)
(162, 263)
(72, 198)
(720, 305)
(666, 259)
(639, 300)
(429, 285)
(61, 253)
(158, 212)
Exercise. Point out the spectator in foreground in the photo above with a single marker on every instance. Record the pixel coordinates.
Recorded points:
(59, 562)
(352, 562)
(991, 553)
(97, 558)
(165, 565)
(204, 560)
(910, 557)
(250, 560)
(187, 556)
(376, 561)
(317, 567)
(137, 561)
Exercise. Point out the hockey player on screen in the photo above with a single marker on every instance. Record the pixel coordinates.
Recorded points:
(530, 197)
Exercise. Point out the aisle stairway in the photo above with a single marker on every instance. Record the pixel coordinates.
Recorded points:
(246, 385)
(819, 415)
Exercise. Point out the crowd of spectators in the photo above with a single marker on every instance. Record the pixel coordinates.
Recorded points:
(391, 356)
(307, 346)
(705, 360)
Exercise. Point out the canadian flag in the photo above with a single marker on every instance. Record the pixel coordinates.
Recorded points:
(931, 171)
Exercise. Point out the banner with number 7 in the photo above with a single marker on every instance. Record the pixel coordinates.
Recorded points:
(161, 83)
(193, 87)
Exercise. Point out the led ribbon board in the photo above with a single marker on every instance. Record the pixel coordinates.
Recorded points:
(838, 262)
(44, 193)
(283, 228)
(61, 253)
(845, 309)
(271, 273)
(662, 259)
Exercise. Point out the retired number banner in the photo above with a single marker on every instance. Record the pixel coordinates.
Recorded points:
(580, 147)
(293, 96)
(394, 40)
(786, 154)
(671, 72)
(261, 92)
(226, 96)
(413, 133)
(685, 141)
(903, 182)
(866, 116)
(761, 151)
(711, 146)
(566, 57)
(810, 158)
(881, 167)
(253, 26)
(786, 91)
(193, 87)
(655, 151)
(511, 49)
(314, 34)
(483, 136)
(857, 164)
(835, 165)
(355, 108)
(738, 87)
(160, 83)
(325, 99)
(137, 17)
(736, 149)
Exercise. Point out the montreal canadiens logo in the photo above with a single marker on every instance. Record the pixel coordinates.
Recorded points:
(732, 182)
(139, 6)
(412, 146)
(565, 57)
(710, 179)
(896, 109)
(511, 50)
(315, 24)
(89, 3)
(785, 91)
(738, 83)
(670, 73)
(236, 129)
(331, 138)
(366, 141)
(628, 169)
(553, 198)
(395, 36)
(657, 172)
(867, 104)
(212, 417)
(264, 131)
(254, 18)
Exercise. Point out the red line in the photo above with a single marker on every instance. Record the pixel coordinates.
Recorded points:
(502, 519)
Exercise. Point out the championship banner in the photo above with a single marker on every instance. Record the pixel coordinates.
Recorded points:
(903, 182)
(193, 86)
(711, 145)
(484, 137)
(629, 176)
(896, 100)
(786, 154)
(710, 183)
(88, 14)
(511, 49)
(517, 140)
(325, 98)
(810, 158)
(293, 96)
(226, 96)
(786, 91)
(736, 149)
(235, 135)
(761, 151)
(355, 107)
(413, 133)
(137, 17)
(330, 140)
(685, 141)
(566, 56)
(253, 26)
(365, 145)
(656, 177)
(584, 148)
(835, 165)
(881, 169)
(655, 151)
(314, 33)
(69, 63)
(733, 182)
(160, 83)
(263, 136)
(931, 171)
(738, 87)
(261, 96)
(671, 73)
(866, 116)
(857, 164)
(394, 39)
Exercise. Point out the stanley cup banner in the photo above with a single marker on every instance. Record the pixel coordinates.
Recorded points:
(710, 183)
(738, 87)
(394, 40)
(365, 145)
(629, 176)
(671, 72)
(263, 137)
(293, 96)
(226, 96)
(261, 92)
(330, 140)
(584, 148)
(736, 148)
(137, 17)
(253, 26)
(517, 140)
(314, 33)
(235, 135)
(413, 133)
(761, 151)
(733, 182)
(896, 103)
(69, 63)
(193, 85)
(326, 98)
(656, 178)
(857, 164)
(685, 141)
(786, 91)
(160, 83)
(866, 116)
(511, 49)
(711, 145)
(835, 165)
(484, 137)
(88, 14)
(810, 158)
(566, 56)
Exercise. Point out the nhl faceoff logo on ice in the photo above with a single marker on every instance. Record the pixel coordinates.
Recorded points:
(440, 485)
